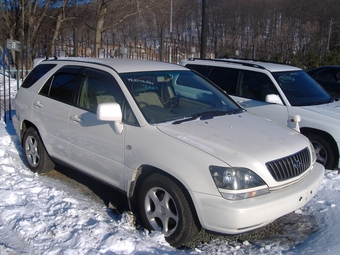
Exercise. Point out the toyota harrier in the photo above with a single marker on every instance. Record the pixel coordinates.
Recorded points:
(184, 153)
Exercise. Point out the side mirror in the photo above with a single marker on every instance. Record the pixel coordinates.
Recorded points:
(296, 120)
(111, 112)
(273, 99)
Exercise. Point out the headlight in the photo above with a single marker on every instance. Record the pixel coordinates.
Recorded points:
(313, 153)
(236, 183)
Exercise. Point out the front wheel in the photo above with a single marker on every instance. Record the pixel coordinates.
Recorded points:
(35, 153)
(165, 208)
(324, 153)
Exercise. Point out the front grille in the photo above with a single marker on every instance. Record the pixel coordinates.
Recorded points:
(291, 166)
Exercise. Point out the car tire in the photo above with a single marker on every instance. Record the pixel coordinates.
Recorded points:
(324, 153)
(35, 153)
(164, 207)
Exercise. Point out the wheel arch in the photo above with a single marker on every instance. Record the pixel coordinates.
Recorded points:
(306, 131)
(142, 174)
(24, 126)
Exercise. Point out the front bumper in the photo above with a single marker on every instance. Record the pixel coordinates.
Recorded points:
(234, 217)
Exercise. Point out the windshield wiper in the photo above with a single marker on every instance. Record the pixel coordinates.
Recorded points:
(206, 115)
(331, 100)
(189, 118)
(236, 111)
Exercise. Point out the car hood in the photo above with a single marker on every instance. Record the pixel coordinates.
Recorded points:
(330, 109)
(238, 138)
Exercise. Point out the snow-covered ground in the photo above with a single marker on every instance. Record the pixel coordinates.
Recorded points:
(39, 215)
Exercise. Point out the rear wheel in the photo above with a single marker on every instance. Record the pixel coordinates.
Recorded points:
(35, 153)
(324, 153)
(165, 208)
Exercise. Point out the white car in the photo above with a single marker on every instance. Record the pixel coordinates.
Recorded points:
(184, 153)
(280, 92)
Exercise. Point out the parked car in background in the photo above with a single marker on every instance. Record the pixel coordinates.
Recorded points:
(328, 77)
(280, 93)
(184, 153)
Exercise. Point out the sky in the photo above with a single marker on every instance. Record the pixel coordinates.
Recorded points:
(41, 215)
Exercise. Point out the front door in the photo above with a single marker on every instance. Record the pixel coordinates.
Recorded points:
(95, 147)
(252, 89)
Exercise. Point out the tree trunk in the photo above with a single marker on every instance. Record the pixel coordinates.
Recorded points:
(102, 11)
(59, 21)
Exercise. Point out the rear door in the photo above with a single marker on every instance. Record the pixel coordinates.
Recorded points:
(51, 108)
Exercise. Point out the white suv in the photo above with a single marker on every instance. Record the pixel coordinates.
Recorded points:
(280, 92)
(186, 155)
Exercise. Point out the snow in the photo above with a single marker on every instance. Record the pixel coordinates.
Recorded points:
(40, 215)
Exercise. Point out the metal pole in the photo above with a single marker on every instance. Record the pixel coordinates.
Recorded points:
(9, 86)
(4, 86)
(204, 31)
(3, 55)
(170, 49)
(329, 33)
(170, 16)
(161, 53)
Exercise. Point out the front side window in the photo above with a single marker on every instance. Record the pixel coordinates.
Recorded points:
(100, 87)
(301, 89)
(255, 85)
(164, 96)
(331, 75)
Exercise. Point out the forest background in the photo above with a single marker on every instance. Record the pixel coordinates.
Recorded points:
(305, 33)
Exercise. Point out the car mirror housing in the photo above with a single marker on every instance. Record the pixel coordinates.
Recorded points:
(111, 112)
(273, 99)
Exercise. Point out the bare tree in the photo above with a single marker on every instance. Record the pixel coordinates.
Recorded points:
(59, 19)
(111, 13)
(269, 29)
(11, 15)
(36, 11)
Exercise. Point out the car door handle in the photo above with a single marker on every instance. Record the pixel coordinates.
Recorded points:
(76, 118)
(38, 104)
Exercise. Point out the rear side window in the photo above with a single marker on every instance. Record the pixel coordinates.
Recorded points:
(38, 72)
(204, 70)
(225, 78)
(61, 86)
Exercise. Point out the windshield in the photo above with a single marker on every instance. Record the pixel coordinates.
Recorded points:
(164, 96)
(301, 89)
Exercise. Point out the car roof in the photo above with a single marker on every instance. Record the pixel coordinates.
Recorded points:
(122, 65)
(270, 66)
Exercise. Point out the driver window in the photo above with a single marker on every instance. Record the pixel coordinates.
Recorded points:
(95, 90)
(100, 87)
(255, 86)
(325, 76)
